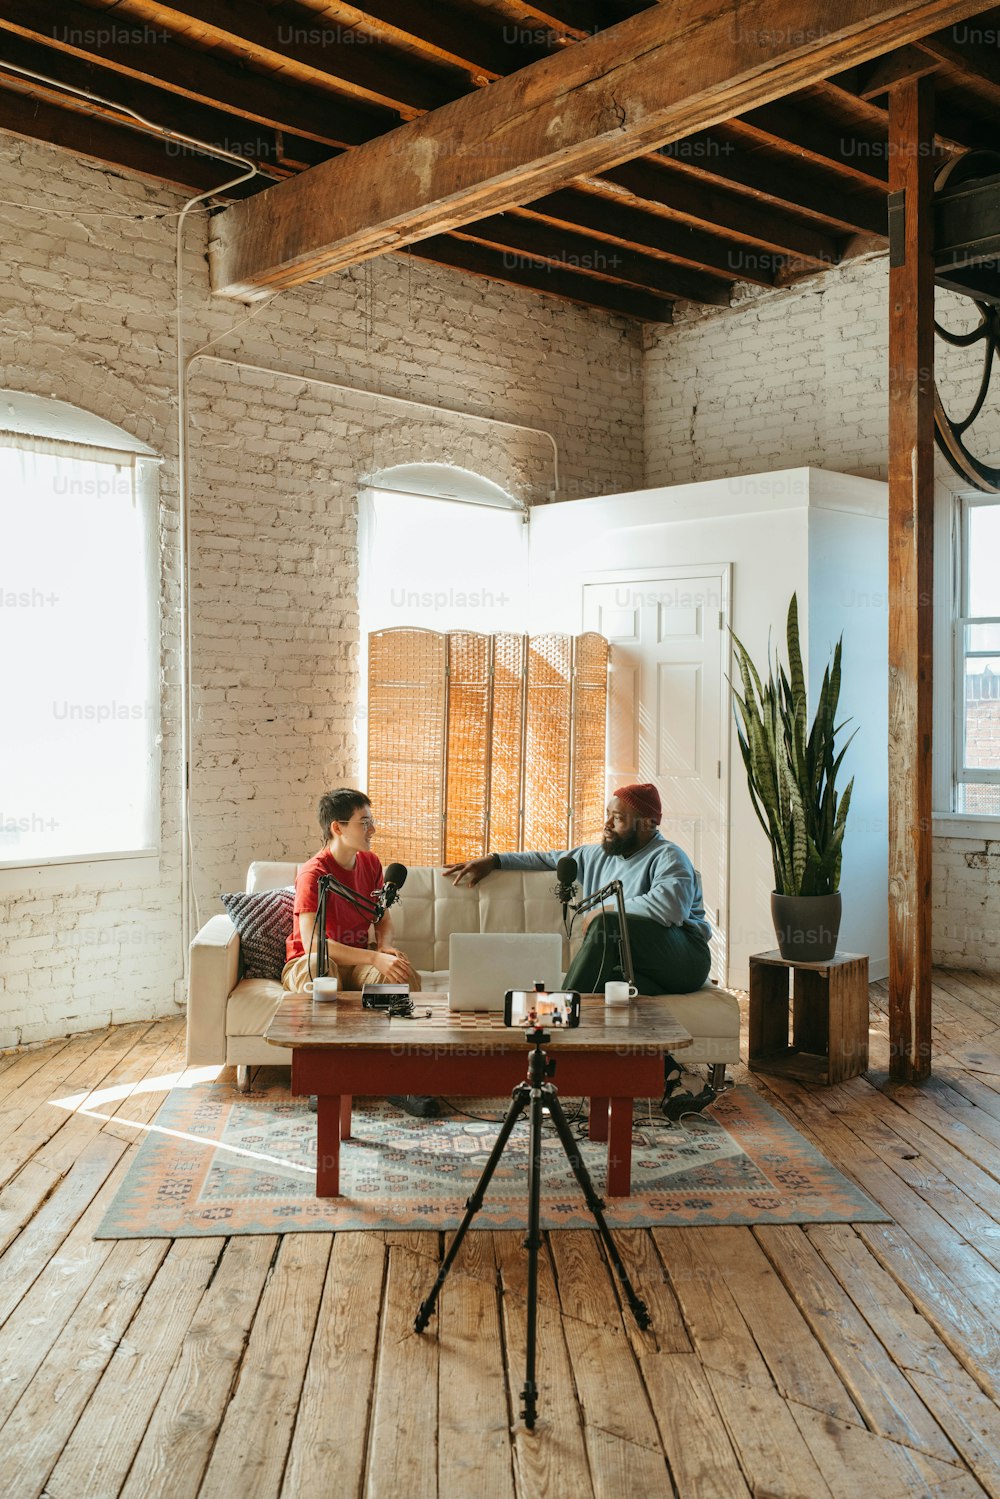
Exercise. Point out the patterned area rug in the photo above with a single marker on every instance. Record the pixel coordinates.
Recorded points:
(217, 1161)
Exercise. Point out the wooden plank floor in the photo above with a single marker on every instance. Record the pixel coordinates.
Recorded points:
(834, 1362)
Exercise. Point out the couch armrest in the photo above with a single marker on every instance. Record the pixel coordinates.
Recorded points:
(215, 964)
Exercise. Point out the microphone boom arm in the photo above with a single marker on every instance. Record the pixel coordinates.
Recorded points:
(373, 909)
(624, 945)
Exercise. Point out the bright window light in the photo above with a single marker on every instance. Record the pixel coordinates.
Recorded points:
(78, 720)
(444, 565)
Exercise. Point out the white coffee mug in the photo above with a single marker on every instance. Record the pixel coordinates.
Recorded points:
(323, 989)
(617, 992)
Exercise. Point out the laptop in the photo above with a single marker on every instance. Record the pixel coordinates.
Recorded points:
(484, 965)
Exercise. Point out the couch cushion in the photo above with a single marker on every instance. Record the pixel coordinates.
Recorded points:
(710, 1011)
(251, 1008)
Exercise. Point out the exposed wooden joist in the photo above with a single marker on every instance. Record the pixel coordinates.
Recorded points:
(561, 117)
(175, 114)
(786, 182)
(911, 581)
(76, 31)
(561, 247)
(371, 73)
(874, 78)
(979, 64)
(827, 144)
(111, 145)
(567, 20)
(584, 17)
(479, 260)
(713, 207)
(474, 41)
(618, 221)
(954, 128)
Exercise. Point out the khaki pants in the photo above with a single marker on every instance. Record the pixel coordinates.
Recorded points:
(295, 975)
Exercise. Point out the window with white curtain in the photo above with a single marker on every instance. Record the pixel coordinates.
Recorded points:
(79, 710)
(440, 548)
(443, 564)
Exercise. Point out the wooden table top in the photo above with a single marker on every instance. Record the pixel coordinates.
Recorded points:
(773, 959)
(645, 1025)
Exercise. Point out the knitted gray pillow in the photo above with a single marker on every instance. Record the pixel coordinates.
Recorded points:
(264, 921)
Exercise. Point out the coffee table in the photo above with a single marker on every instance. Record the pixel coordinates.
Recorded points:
(340, 1050)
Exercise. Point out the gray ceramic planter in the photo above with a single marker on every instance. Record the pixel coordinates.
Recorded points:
(806, 926)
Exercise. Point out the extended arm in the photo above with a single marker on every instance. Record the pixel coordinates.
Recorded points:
(477, 869)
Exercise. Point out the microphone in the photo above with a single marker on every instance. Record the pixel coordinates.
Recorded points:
(392, 882)
(566, 871)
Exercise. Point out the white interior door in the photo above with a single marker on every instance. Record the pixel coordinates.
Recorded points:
(666, 719)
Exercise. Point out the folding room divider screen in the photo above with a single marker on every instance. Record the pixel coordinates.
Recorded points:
(485, 743)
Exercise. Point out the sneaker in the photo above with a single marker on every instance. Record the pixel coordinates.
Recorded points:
(417, 1105)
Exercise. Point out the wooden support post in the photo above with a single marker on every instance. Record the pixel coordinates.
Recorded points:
(911, 518)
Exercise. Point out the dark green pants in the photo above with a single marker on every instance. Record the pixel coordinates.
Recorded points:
(666, 959)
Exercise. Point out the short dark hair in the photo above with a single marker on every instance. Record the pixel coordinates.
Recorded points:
(339, 806)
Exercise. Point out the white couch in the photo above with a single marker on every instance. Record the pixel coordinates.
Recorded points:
(227, 1015)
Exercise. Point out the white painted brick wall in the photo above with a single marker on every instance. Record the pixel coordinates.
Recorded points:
(800, 377)
(86, 316)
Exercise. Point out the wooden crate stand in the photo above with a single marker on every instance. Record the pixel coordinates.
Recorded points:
(829, 1017)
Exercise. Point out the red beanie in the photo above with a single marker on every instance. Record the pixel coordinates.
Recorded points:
(644, 799)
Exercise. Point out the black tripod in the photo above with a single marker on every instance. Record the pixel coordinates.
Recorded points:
(537, 1093)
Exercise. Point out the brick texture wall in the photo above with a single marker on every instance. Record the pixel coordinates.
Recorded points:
(86, 312)
(801, 377)
(982, 731)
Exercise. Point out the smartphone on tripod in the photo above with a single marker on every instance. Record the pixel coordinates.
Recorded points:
(538, 1006)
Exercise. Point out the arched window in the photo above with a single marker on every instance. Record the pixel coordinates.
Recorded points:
(78, 635)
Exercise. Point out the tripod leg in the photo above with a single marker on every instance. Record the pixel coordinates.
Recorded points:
(572, 1148)
(533, 1242)
(518, 1104)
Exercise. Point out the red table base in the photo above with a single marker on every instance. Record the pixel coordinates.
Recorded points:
(610, 1080)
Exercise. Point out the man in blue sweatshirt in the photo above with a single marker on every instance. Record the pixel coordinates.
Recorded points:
(667, 927)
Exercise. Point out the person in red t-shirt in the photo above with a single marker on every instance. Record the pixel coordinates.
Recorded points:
(346, 820)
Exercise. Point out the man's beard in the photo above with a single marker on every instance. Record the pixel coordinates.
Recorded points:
(621, 844)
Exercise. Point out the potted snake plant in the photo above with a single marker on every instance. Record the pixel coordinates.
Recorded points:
(792, 772)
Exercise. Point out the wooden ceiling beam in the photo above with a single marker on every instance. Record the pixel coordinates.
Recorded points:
(321, 54)
(34, 118)
(981, 65)
(787, 183)
(954, 129)
(564, 116)
(562, 246)
(76, 31)
(584, 17)
(615, 220)
(826, 143)
(873, 78)
(655, 188)
(259, 143)
(443, 33)
(585, 291)
(566, 20)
